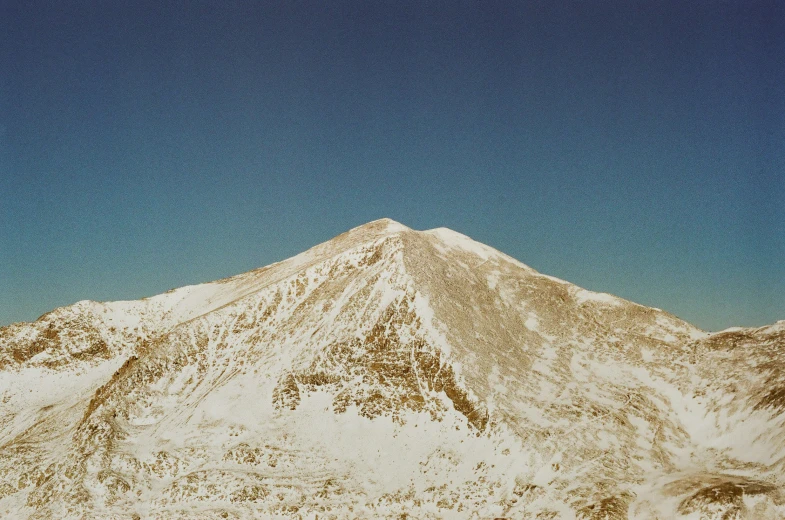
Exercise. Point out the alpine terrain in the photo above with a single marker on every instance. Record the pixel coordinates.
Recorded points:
(389, 373)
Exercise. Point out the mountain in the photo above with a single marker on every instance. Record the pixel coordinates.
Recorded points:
(389, 373)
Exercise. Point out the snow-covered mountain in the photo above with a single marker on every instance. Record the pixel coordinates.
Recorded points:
(385, 373)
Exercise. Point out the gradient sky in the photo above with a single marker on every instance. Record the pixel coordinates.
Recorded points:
(630, 147)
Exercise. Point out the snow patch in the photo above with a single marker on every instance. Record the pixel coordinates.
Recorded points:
(582, 296)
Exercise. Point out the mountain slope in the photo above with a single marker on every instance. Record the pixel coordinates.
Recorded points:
(388, 372)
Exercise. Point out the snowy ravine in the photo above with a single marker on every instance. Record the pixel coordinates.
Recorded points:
(383, 374)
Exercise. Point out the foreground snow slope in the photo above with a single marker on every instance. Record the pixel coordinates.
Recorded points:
(388, 372)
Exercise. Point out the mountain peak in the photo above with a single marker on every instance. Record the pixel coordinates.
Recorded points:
(384, 224)
(481, 387)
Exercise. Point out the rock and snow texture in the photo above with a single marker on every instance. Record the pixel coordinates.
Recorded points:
(389, 372)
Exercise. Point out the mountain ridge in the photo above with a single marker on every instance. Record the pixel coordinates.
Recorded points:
(356, 236)
(514, 393)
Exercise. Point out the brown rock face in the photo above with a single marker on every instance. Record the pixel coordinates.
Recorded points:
(398, 375)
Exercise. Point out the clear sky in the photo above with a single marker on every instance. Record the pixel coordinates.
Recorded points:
(630, 147)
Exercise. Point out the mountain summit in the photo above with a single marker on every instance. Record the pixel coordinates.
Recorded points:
(384, 373)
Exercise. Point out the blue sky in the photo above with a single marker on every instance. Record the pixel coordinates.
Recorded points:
(636, 148)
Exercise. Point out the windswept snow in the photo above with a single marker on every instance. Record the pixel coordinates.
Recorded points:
(582, 296)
